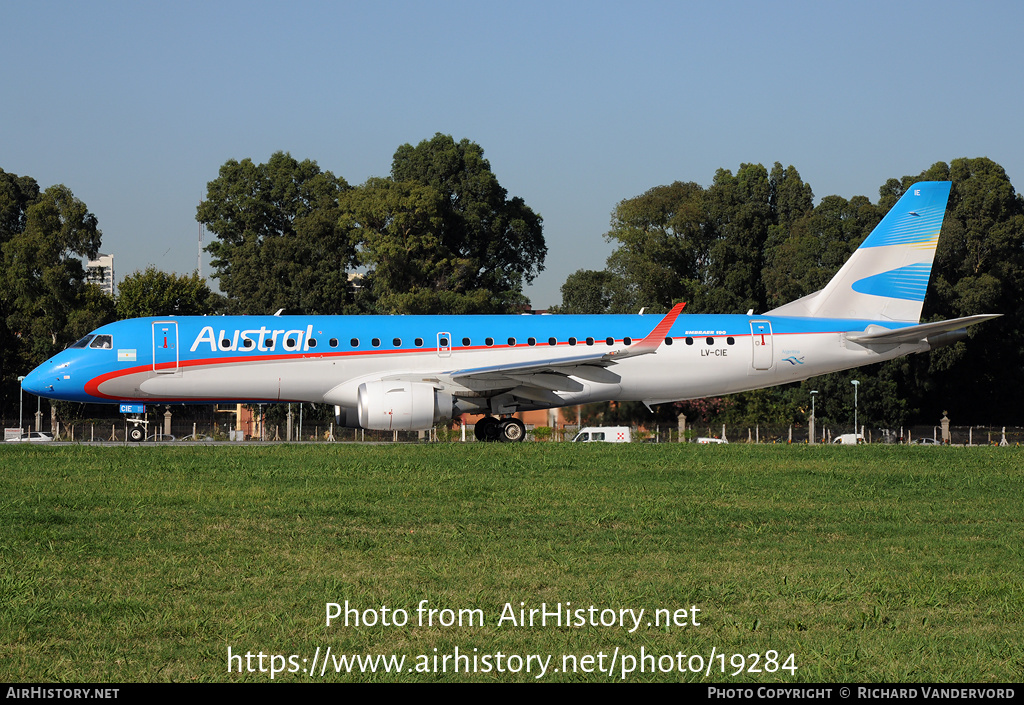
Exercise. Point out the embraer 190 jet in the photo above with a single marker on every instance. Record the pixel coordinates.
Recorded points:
(413, 372)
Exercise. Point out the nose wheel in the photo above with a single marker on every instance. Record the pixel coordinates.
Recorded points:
(137, 432)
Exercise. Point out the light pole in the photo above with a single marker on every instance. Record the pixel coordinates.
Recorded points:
(21, 391)
(855, 383)
(814, 416)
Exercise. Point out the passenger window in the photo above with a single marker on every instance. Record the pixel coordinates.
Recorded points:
(225, 344)
(590, 341)
(466, 342)
(397, 342)
(443, 342)
(512, 342)
(572, 341)
(689, 341)
(375, 342)
(270, 343)
(101, 342)
(710, 340)
(248, 344)
(488, 342)
(627, 341)
(419, 342)
(668, 341)
(730, 340)
(531, 341)
(552, 341)
(610, 340)
(289, 343)
(311, 342)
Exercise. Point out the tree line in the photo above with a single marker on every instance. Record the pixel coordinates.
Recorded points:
(754, 240)
(440, 235)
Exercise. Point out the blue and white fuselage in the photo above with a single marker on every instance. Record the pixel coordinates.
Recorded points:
(323, 359)
(410, 372)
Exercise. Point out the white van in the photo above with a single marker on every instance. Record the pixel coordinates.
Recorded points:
(605, 434)
(849, 439)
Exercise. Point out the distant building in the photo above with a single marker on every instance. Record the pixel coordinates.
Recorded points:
(101, 273)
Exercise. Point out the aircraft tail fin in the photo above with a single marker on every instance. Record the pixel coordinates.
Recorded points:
(886, 278)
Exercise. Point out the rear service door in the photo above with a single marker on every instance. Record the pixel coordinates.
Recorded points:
(761, 338)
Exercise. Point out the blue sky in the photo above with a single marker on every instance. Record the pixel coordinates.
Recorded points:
(577, 105)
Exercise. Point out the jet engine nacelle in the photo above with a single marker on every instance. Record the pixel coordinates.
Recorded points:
(396, 405)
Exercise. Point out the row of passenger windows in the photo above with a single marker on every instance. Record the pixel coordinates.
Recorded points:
(104, 341)
(292, 343)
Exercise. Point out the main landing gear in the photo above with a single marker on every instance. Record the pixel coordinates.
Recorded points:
(508, 430)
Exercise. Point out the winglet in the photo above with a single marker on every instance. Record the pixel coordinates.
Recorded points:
(653, 340)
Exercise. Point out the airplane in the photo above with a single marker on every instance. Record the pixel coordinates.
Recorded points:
(413, 372)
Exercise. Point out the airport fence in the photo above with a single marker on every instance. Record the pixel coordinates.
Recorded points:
(118, 431)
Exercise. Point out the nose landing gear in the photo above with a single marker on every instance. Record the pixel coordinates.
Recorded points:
(137, 419)
(137, 433)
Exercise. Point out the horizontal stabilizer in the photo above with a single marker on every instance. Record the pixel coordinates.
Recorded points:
(914, 334)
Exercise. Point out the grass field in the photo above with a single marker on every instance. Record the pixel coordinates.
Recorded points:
(873, 563)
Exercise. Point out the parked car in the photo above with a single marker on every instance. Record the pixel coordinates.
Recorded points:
(926, 442)
(34, 437)
(604, 434)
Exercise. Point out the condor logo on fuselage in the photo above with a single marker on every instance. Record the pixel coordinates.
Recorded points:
(261, 339)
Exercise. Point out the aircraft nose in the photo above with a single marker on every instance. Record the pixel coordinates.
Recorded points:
(40, 381)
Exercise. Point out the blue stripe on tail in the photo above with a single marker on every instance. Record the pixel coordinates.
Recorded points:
(908, 282)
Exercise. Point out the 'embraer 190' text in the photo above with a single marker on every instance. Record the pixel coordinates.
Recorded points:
(261, 339)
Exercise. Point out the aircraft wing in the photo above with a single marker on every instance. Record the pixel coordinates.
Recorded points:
(913, 334)
(555, 374)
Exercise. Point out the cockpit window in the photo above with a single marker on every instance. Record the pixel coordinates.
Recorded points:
(83, 343)
(102, 342)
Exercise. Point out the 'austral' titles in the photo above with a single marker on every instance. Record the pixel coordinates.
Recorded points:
(261, 339)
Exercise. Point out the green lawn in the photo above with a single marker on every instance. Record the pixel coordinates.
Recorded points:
(877, 563)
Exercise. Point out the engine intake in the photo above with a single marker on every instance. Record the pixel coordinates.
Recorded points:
(397, 405)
